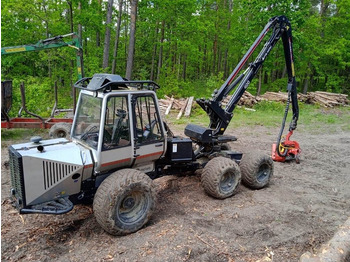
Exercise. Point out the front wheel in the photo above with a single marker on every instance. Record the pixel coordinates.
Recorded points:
(257, 170)
(124, 202)
(221, 177)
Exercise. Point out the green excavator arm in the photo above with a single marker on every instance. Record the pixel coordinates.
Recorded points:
(53, 42)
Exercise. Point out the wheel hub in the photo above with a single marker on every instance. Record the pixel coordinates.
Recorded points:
(263, 173)
(226, 182)
(128, 203)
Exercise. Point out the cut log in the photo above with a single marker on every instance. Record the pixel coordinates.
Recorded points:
(273, 96)
(170, 106)
(177, 104)
(189, 106)
(182, 110)
(336, 249)
(331, 94)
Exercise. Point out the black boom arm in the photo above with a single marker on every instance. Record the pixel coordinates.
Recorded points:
(219, 117)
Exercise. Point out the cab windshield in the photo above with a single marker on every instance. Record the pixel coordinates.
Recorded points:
(88, 116)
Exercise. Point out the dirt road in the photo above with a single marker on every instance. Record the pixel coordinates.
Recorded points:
(302, 208)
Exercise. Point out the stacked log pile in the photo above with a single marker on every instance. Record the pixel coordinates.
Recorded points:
(246, 100)
(183, 106)
(274, 96)
(325, 99)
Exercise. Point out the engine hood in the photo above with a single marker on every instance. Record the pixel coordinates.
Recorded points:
(52, 169)
(59, 149)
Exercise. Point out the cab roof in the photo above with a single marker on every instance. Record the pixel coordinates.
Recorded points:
(109, 82)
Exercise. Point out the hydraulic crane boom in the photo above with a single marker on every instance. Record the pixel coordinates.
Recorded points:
(53, 42)
(221, 117)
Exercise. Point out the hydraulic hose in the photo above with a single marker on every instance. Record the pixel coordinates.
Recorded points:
(282, 128)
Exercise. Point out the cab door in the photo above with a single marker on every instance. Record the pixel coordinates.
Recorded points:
(149, 138)
(116, 146)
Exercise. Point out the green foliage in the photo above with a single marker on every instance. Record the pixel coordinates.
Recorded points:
(188, 47)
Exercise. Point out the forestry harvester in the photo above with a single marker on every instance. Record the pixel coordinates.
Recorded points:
(119, 144)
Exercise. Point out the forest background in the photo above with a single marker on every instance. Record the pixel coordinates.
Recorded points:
(189, 47)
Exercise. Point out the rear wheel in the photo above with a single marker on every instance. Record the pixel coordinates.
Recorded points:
(60, 130)
(256, 169)
(124, 202)
(221, 177)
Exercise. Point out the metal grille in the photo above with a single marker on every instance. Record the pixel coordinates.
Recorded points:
(54, 172)
(17, 181)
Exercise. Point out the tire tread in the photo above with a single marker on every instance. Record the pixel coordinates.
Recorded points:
(109, 188)
(211, 176)
(250, 164)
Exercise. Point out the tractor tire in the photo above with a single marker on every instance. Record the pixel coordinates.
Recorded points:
(60, 130)
(221, 177)
(124, 202)
(257, 170)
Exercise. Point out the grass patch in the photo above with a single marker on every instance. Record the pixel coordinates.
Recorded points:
(270, 114)
(22, 134)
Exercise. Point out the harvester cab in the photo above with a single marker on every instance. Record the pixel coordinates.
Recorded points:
(119, 121)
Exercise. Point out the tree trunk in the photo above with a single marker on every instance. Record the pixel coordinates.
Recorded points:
(215, 50)
(160, 50)
(98, 36)
(266, 77)
(70, 16)
(71, 29)
(133, 16)
(219, 60)
(323, 9)
(154, 53)
(184, 67)
(85, 44)
(107, 34)
(80, 27)
(284, 72)
(225, 64)
(116, 44)
(205, 59)
(126, 25)
(80, 37)
(306, 84)
(98, 42)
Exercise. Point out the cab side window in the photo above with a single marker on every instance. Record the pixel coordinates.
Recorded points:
(116, 129)
(148, 127)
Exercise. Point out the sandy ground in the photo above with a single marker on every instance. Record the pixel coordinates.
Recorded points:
(301, 209)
